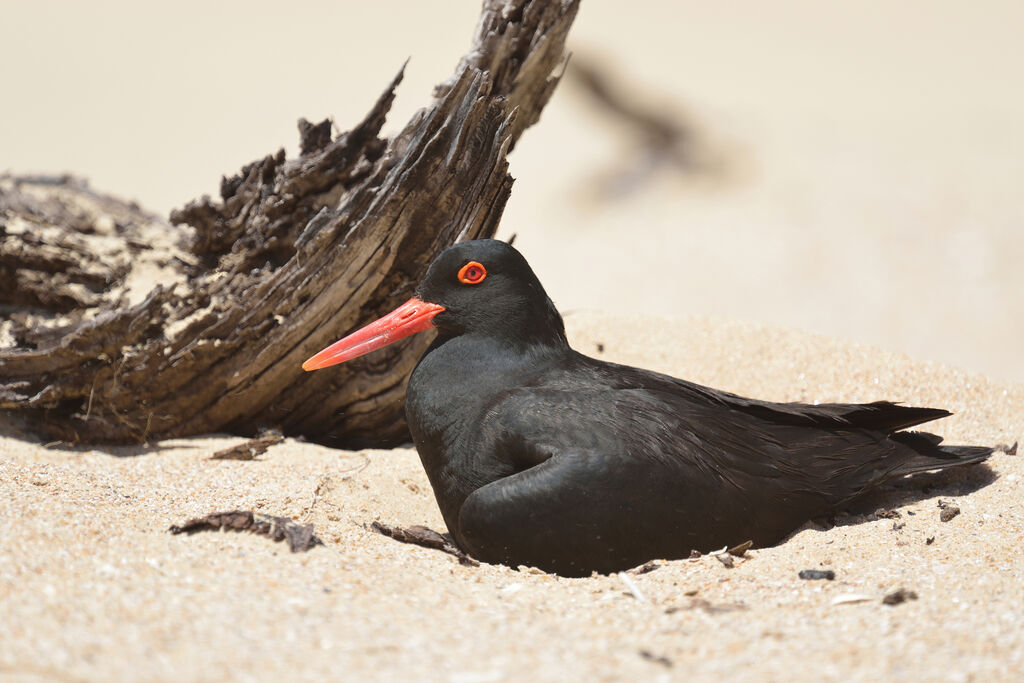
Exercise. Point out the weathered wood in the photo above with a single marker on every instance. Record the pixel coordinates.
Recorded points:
(65, 248)
(294, 254)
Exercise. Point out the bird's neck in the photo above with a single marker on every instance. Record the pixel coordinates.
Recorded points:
(459, 375)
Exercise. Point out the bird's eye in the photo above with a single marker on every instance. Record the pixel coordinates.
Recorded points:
(472, 273)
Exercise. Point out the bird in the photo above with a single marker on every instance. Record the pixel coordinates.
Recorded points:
(539, 455)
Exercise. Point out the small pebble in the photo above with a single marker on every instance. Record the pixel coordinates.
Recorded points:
(898, 596)
(817, 574)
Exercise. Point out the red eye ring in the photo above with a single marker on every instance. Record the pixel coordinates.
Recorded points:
(472, 273)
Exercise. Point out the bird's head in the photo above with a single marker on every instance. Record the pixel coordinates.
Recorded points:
(481, 287)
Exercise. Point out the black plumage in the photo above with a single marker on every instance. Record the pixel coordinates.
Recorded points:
(539, 455)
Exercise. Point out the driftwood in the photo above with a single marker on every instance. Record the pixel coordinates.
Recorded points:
(297, 252)
(663, 136)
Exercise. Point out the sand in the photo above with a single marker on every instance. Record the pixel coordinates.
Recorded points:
(93, 587)
(874, 194)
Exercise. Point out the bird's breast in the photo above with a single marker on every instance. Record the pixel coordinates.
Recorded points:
(450, 396)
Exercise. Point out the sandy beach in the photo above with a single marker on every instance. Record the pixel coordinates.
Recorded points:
(95, 588)
(872, 194)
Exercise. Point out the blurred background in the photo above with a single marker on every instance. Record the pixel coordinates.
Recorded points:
(849, 168)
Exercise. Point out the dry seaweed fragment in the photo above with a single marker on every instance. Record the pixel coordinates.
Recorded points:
(300, 536)
(251, 449)
(427, 538)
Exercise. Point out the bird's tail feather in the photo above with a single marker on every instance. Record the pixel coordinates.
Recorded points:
(932, 456)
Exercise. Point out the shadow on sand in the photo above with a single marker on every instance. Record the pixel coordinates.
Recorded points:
(12, 427)
(949, 483)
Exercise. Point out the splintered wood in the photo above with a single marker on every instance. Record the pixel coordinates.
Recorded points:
(294, 253)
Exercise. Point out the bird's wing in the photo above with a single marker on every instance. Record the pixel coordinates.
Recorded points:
(607, 466)
(883, 416)
(702, 440)
(588, 450)
(605, 477)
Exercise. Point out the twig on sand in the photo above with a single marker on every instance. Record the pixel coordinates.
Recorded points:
(251, 449)
(427, 538)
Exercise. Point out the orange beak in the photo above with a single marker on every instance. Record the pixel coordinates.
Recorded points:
(411, 317)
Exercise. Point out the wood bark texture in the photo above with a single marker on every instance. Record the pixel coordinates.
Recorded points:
(296, 253)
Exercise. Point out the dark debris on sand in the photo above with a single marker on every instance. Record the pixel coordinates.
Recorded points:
(899, 595)
(427, 538)
(656, 659)
(251, 449)
(817, 574)
(1007, 448)
(947, 511)
(300, 536)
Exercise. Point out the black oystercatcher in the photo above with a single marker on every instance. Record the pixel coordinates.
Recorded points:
(541, 456)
